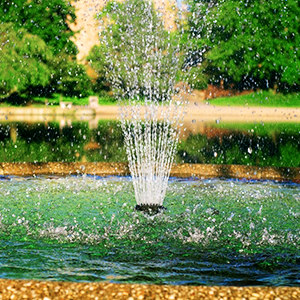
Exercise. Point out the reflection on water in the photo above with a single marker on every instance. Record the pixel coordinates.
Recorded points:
(248, 144)
(44, 142)
(245, 144)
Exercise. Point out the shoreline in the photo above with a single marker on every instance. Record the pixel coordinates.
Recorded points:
(183, 170)
(196, 112)
(51, 290)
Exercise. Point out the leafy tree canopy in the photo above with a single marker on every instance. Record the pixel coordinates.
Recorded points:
(47, 19)
(254, 43)
(24, 60)
(37, 55)
(69, 77)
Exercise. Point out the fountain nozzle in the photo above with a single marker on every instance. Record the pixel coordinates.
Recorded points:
(150, 209)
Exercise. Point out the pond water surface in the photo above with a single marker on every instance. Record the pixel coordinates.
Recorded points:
(243, 144)
(214, 232)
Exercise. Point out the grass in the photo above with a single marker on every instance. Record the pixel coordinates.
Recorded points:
(54, 100)
(260, 98)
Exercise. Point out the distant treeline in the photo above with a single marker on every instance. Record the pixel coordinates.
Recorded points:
(242, 44)
(247, 44)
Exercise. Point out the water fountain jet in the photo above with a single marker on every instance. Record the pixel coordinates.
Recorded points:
(145, 72)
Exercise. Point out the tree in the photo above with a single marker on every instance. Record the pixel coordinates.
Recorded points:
(137, 56)
(39, 58)
(250, 43)
(47, 19)
(24, 60)
(69, 77)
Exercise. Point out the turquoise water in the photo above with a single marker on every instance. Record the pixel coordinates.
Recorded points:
(214, 232)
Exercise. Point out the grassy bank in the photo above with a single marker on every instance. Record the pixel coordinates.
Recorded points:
(260, 99)
(52, 100)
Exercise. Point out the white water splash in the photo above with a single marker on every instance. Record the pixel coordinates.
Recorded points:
(145, 72)
(151, 146)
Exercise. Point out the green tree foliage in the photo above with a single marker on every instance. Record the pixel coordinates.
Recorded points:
(24, 60)
(137, 56)
(38, 56)
(248, 42)
(69, 77)
(47, 19)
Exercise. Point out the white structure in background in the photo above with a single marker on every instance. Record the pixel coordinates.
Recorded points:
(65, 105)
(93, 102)
(88, 27)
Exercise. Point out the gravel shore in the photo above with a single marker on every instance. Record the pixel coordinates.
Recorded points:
(19, 289)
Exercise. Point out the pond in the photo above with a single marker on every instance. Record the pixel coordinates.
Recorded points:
(254, 144)
(214, 232)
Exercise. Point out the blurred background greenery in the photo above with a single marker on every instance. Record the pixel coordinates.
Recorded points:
(236, 45)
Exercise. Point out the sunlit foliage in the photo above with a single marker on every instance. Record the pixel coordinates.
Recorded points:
(24, 60)
(252, 44)
(47, 19)
(37, 56)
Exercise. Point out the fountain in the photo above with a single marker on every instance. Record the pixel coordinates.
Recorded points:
(83, 228)
(142, 61)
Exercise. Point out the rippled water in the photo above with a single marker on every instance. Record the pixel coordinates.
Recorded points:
(222, 232)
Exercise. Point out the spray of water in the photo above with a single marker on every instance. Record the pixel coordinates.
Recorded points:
(150, 146)
(143, 60)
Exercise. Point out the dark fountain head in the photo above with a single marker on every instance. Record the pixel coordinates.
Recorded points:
(150, 209)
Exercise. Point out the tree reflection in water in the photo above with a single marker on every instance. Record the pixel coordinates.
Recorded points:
(252, 144)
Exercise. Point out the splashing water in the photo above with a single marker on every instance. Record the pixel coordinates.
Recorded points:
(150, 147)
(145, 70)
(216, 232)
